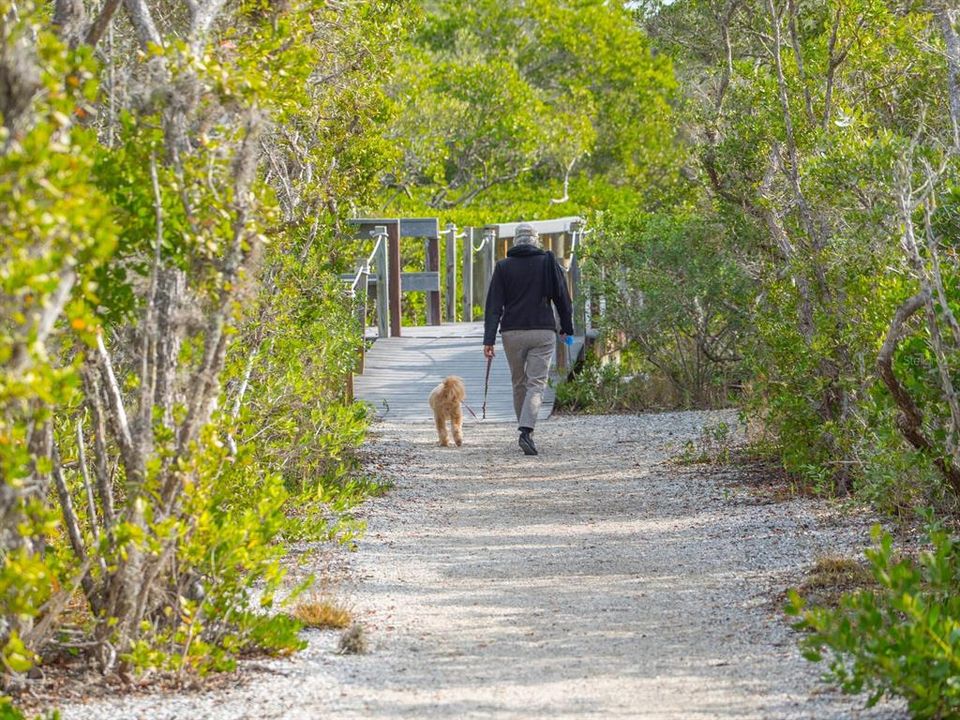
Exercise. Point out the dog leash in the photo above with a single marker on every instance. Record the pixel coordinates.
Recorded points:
(486, 387)
(470, 409)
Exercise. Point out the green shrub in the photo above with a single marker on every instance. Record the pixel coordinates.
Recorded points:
(597, 388)
(676, 297)
(902, 639)
(174, 336)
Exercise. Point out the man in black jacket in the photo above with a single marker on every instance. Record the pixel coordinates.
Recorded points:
(523, 286)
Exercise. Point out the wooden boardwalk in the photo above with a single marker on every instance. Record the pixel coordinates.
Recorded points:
(399, 373)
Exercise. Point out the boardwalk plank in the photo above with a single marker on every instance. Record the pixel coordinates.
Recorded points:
(399, 373)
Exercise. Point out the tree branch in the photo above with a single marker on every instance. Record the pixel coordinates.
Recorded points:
(142, 20)
(87, 484)
(795, 42)
(952, 43)
(118, 414)
(102, 22)
(909, 419)
(70, 520)
(101, 467)
(20, 359)
(566, 183)
(203, 18)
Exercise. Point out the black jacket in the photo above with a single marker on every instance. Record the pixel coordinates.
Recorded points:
(522, 286)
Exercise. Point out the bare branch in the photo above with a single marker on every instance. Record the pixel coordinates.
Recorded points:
(87, 485)
(21, 359)
(793, 171)
(101, 467)
(909, 419)
(142, 20)
(727, 73)
(102, 22)
(70, 520)
(933, 250)
(204, 15)
(831, 69)
(566, 183)
(908, 241)
(148, 330)
(205, 384)
(952, 43)
(53, 607)
(118, 414)
(795, 42)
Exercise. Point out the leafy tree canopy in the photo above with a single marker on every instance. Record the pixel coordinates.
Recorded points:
(530, 109)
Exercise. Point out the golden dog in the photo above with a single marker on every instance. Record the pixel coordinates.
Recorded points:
(445, 401)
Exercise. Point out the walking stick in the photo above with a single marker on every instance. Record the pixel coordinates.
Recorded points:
(486, 388)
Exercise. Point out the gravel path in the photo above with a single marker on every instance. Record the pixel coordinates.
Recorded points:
(599, 580)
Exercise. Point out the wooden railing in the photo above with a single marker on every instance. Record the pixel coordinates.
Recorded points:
(475, 255)
(564, 236)
(360, 286)
(358, 292)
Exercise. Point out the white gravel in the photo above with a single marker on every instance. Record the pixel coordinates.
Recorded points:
(598, 580)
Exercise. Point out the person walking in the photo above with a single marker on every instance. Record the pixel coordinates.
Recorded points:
(523, 286)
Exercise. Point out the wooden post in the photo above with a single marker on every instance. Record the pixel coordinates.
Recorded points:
(559, 247)
(433, 296)
(428, 305)
(479, 260)
(450, 253)
(581, 299)
(382, 261)
(468, 274)
(361, 295)
(563, 356)
(393, 269)
(490, 249)
(359, 309)
(487, 255)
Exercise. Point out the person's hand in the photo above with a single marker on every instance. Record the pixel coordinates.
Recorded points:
(488, 351)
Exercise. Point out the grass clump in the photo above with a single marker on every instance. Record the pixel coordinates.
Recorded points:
(322, 613)
(832, 576)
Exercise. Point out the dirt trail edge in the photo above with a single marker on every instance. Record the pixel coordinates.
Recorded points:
(599, 580)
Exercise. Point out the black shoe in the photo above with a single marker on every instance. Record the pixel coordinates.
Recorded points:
(526, 444)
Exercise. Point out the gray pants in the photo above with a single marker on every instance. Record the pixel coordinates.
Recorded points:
(529, 354)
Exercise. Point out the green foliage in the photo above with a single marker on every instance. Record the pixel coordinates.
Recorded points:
(9, 712)
(673, 291)
(790, 222)
(597, 388)
(505, 108)
(902, 639)
(174, 339)
(57, 232)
